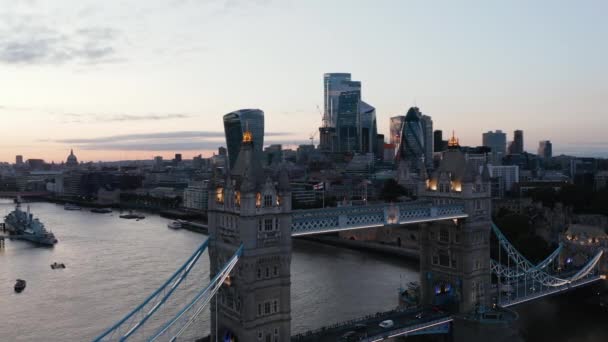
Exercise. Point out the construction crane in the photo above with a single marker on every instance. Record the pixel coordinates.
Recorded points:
(312, 137)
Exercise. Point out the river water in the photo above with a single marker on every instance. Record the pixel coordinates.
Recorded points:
(113, 264)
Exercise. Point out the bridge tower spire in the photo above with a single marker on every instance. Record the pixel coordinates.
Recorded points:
(455, 255)
(250, 209)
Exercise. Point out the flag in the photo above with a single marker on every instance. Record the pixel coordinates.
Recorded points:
(318, 186)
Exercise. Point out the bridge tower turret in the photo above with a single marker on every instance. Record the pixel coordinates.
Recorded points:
(455, 254)
(248, 208)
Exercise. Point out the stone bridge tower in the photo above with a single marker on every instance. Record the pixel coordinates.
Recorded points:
(455, 254)
(249, 209)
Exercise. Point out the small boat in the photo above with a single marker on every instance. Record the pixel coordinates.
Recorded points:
(57, 265)
(69, 206)
(19, 285)
(175, 225)
(130, 216)
(101, 210)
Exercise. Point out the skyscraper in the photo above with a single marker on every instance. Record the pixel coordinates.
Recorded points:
(416, 142)
(412, 147)
(427, 126)
(19, 160)
(333, 85)
(349, 124)
(235, 125)
(545, 149)
(517, 145)
(396, 129)
(439, 145)
(497, 141)
(369, 130)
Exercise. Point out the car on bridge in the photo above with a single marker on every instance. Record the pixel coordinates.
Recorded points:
(387, 324)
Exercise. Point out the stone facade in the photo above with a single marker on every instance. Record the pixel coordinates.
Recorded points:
(255, 304)
(455, 255)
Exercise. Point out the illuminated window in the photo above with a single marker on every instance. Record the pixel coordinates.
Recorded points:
(219, 195)
(279, 200)
(258, 200)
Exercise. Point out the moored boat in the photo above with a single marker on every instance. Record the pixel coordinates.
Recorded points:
(101, 210)
(69, 206)
(175, 225)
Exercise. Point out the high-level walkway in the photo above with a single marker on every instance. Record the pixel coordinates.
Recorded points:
(327, 220)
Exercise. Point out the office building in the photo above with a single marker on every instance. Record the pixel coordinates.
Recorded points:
(349, 124)
(369, 130)
(517, 145)
(545, 149)
(19, 160)
(439, 144)
(396, 129)
(505, 177)
(416, 139)
(497, 141)
(427, 126)
(235, 125)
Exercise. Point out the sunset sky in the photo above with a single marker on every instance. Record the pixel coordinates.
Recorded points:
(133, 79)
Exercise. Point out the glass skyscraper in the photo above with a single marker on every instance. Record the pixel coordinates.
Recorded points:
(412, 138)
(235, 124)
(369, 129)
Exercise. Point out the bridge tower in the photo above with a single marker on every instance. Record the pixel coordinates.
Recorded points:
(247, 208)
(455, 254)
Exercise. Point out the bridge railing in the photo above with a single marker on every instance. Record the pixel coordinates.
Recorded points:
(316, 221)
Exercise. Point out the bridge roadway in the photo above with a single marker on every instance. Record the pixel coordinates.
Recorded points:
(406, 322)
(531, 290)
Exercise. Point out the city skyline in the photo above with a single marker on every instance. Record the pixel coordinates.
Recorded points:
(129, 88)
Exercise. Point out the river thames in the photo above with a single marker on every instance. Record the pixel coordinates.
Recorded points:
(113, 264)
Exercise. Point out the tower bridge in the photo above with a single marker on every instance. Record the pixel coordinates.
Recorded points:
(251, 226)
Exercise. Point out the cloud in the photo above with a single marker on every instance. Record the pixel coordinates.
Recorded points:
(145, 136)
(25, 39)
(166, 141)
(79, 118)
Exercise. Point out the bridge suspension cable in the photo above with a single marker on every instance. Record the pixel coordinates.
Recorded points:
(188, 314)
(535, 272)
(156, 300)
